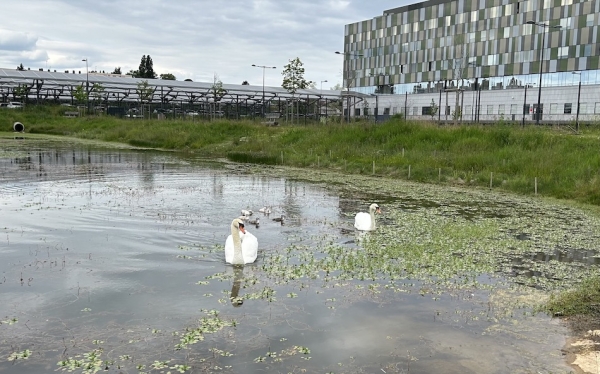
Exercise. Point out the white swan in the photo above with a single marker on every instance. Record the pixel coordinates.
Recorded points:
(265, 210)
(247, 212)
(366, 221)
(240, 249)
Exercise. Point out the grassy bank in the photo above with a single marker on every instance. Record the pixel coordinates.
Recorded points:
(510, 158)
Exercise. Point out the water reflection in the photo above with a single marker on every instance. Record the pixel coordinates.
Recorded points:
(238, 275)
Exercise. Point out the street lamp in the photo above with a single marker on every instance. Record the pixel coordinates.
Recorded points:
(322, 84)
(348, 82)
(477, 85)
(578, 98)
(544, 26)
(87, 85)
(263, 83)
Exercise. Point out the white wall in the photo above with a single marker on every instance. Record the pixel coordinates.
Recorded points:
(496, 104)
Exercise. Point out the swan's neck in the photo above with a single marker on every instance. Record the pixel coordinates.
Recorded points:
(372, 213)
(238, 259)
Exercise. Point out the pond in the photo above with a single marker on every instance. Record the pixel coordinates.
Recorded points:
(112, 260)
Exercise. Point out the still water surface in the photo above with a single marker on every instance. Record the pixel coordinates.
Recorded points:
(120, 252)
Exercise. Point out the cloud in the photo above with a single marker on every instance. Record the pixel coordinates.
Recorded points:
(16, 41)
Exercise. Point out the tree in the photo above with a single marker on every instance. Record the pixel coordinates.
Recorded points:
(217, 90)
(433, 109)
(80, 94)
(141, 71)
(245, 83)
(461, 57)
(20, 67)
(293, 78)
(149, 68)
(21, 92)
(338, 87)
(117, 71)
(168, 77)
(144, 91)
(146, 68)
(97, 92)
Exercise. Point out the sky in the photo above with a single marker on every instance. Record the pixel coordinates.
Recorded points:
(195, 40)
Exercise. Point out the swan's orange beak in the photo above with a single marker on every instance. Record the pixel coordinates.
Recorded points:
(379, 210)
(242, 229)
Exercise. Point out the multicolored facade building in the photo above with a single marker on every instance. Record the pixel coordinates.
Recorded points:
(471, 45)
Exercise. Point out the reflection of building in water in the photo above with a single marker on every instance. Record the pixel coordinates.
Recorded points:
(292, 204)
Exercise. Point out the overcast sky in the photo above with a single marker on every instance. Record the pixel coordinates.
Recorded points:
(190, 39)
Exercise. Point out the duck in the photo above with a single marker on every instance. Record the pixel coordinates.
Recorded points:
(240, 249)
(254, 222)
(279, 219)
(366, 221)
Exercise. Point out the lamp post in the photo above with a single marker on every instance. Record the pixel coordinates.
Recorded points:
(263, 84)
(473, 110)
(578, 98)
(322, 84)
(348, 82)
(87, 85)
(543, 26)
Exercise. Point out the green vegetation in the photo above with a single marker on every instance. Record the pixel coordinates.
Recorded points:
(582, 300)
(507, 157)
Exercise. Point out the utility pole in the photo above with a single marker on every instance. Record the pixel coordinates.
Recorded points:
(347, 56)
(87, 86)
(263, 84)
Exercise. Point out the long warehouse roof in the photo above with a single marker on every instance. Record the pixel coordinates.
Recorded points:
(45, 81)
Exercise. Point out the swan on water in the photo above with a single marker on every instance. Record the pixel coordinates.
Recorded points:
(240, 249)
(246, 212)
(366, 221)
(265, 210)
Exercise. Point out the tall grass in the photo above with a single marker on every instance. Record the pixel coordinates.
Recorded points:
(565, 165)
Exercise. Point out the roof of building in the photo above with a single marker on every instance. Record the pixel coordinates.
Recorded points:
(51, 83)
